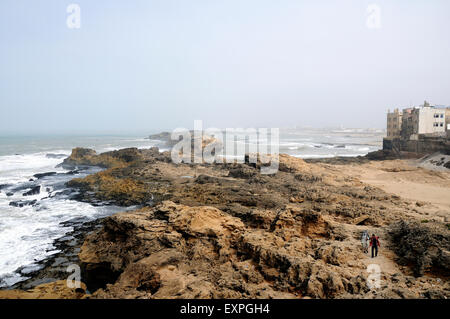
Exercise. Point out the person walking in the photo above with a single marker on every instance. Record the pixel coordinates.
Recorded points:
(374, 243)
(365, 241)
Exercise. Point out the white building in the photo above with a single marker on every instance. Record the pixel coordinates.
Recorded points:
(428, 120)
(412, 122)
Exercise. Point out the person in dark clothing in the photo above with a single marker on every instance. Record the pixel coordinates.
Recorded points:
(374, 243)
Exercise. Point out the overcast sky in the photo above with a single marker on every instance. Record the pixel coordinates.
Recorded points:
(150, 65)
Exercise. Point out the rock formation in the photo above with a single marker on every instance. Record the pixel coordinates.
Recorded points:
(424, 246)
(52, 290)
(227, 231)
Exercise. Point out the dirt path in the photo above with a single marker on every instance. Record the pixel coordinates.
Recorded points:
(385, 260)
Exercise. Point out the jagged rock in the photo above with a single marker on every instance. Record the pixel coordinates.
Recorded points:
(34, 191)
(242, 172)
(53, 290)
(361, 219)
(86, 157)
(41, 175)
(204, 179)
(386, 154)
(160, 136)
(425, 246)
(163, 234)
(447, 165)
(104, 186)
(22, 203)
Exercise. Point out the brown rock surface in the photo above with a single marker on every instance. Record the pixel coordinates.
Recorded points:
(228, 231)
(53, 290)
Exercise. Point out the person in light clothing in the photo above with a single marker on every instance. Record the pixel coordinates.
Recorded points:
(365, 241)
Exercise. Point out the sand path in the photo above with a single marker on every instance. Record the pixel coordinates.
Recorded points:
(385, 258)
(431, 189)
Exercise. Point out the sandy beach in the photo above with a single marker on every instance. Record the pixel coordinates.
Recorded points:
(427, 186)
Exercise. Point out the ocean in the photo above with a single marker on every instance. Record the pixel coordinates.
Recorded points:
(30, 224)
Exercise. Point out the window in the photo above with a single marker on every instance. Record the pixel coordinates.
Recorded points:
(442, 124)
(442, 115)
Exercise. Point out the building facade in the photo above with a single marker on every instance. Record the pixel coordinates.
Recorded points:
(423, 120)
(447, 119)
(394, 123)
(429, 120)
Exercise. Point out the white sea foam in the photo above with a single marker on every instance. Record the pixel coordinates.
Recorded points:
(27, 233)
(19, 168)
(328, 155)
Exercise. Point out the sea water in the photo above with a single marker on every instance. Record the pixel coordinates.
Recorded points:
(27, 233)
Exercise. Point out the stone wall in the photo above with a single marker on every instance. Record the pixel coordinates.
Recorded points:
(425, 145)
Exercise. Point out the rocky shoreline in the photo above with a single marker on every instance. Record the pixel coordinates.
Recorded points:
(54, 267)
(227, 231)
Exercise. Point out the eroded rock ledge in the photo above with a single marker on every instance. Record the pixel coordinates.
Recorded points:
(227, 231)
(178, 251)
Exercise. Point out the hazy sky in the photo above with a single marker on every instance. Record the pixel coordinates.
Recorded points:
(150, 65)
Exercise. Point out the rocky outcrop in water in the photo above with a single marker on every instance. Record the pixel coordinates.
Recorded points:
(22, 203)
(42, 175)
(33, 191)
(86, 157)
